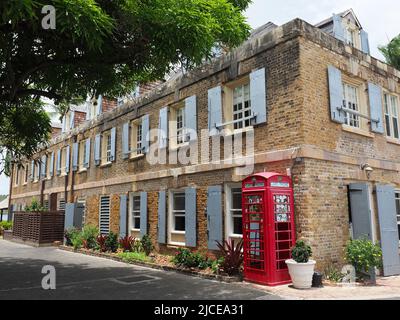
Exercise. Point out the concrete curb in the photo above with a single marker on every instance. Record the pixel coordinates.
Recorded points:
(155, 266)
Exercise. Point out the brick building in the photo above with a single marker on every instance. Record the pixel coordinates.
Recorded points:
(320, 108)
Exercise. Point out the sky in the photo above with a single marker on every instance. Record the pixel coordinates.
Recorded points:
(378, 18)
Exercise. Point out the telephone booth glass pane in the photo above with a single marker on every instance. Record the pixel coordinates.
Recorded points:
(253, 228)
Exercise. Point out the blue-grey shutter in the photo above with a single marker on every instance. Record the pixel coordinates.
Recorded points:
(113, 143)
(162, 217)
(125, 140)
(336, 94)
(32, 169)
(71, 119)
(69, 215)
(146, 133)
(75, 151)
(163, 128)
(43, 166)
(58, 164)
(385, 196)
(67, 152)
(214, 109)
(97, 142)
(214, 216)
(376, 108)
(338, 29)
(360, 210)
(258, 95)
(364, 42)
(86, 161)
(190, 217)
(143, 213)
(51, 170)
(122, 215)
(191, 117)
(99, 107)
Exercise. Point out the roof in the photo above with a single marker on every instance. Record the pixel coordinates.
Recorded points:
(4, 203)
(266, 175)
(264, 28)
(342, 14)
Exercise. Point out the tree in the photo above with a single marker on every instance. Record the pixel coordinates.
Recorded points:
(392, 52)
(99, 47)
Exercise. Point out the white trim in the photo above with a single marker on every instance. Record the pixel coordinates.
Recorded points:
(397, 192)
(130, 213)
(170, 218)
(228, 218)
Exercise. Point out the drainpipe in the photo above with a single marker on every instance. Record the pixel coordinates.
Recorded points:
(10, 192)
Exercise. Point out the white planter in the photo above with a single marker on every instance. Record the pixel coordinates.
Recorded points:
(301, 273)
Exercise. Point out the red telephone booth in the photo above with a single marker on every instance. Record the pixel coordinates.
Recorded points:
(268, 227)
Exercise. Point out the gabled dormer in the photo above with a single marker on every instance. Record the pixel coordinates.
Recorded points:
(346, 27)
(74, 117)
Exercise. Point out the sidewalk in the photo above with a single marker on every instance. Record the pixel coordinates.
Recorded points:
(387, 288)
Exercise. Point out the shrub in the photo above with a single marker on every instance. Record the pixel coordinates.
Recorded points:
(363, 254)
(77, 240)
(333, 274)
(69, 234)
(216, 265)
(126, 243)
(111, 242)
(232, 257)
(137, 246)
(89, 236)
(186, 258)
(6, 225)
(147, 245)
(101, 242)
(133, 256)
(35, 206)
(301, 252)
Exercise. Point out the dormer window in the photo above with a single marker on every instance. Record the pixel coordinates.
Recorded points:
(350, 36)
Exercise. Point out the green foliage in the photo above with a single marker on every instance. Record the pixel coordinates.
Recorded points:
(232, 257)
(392, 52)
(147, 245)
(35, 206)
(301, 252)
(111, 242)
(69, 234)
(99, 47)
(188, 259)
(363, 254)
(333, 274)
(89, 236)
(216, 265)
(6, 225)
(137, 246)
(126, 243)
(133, 256)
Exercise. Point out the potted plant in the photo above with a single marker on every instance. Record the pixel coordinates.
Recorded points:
(301, 268)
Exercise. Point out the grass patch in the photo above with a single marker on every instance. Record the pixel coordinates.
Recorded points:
(133, 256)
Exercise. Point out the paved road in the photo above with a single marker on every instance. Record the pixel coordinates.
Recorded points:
(84, 277)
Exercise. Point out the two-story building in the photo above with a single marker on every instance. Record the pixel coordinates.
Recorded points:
(307, 101)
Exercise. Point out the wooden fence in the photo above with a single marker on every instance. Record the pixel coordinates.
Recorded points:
(39, 227)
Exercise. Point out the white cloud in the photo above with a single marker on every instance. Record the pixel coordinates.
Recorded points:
(379, 18)
(4, 185)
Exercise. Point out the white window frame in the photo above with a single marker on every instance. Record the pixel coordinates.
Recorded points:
(16, 179)
(36, 173)
(177, 125)
(391, 110)
(81, 155)
(231, 213)
(243, 113)
(63, 161)
(172, 215)
(352, 120)
(397, 198)
(83, 201)
(136, 133)
(26, 174)
(134, 214)
(106, 151)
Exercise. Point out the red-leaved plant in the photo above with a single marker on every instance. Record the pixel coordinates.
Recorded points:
(233, 257)
(126, 243)
(101, 241)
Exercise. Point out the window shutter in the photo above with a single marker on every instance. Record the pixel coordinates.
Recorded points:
(336, 94)
(63, 129)
(104, 216)
(162, 217)
(113, 142)
(69, 215)
(32, 169)
(72, 120)
(190, 217)
(87, 154)
(214, 109)
(51, 170)
(43, 166)
(58, 164)
(67, 152)
(99, 107)
(97, 143)
(75, 151)
(258, 95)
(376, 108)
(143, 213)
(360, 210)
(122, 215)
(191, 117)
(385, 196)
(163, 128)
(125, 140)
(364, 42)
(146, 133)
(214, 216)
(338, 29)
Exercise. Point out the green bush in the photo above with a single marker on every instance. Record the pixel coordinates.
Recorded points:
(363, 254)
(77, 240)
(5, 225)
(133, 256)
(89, 236)
(333, 274)
(137, 246)
(216, 265)
(69, 234)
(111, 242)
(147, 245)
(35, 206)
(186, 258)
(301, 252)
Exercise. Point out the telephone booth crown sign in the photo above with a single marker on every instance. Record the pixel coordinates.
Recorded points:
(268, 227)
